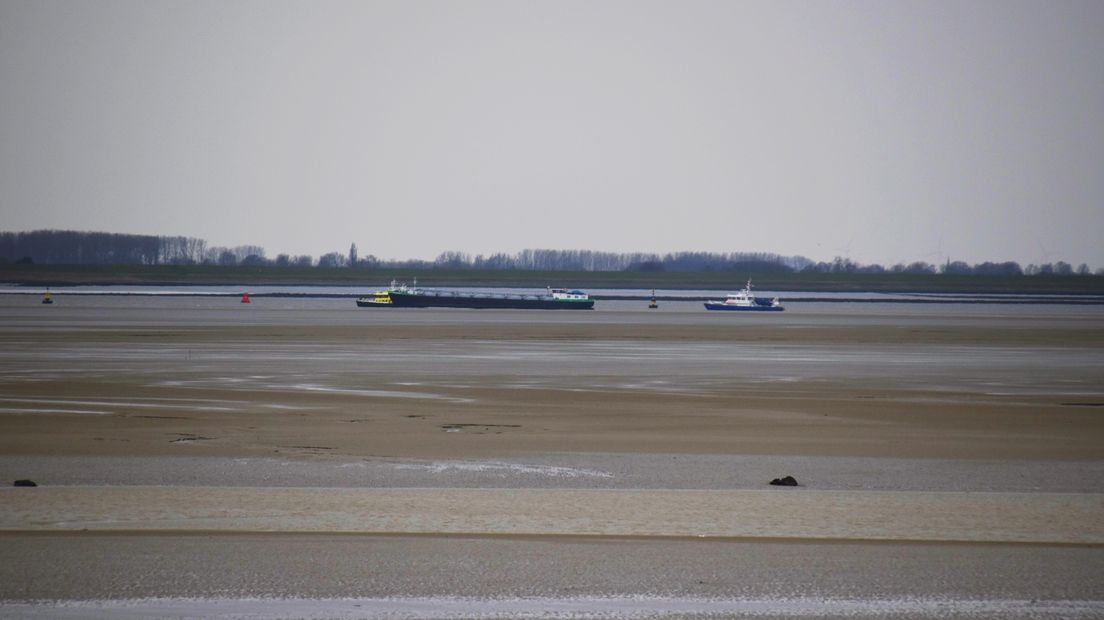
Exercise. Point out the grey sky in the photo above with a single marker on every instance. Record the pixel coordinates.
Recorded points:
(886, 131)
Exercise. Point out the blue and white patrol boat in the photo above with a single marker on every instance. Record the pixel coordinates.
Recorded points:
(744, 301)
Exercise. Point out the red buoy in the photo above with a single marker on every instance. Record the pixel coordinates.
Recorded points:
(245, 298)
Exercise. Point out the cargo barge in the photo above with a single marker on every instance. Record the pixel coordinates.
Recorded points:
(553, 299)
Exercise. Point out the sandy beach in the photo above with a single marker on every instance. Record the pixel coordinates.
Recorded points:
(969, 439)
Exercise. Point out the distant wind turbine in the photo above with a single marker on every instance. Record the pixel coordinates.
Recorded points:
(937, 257)
(845, 252)
(1042, 248)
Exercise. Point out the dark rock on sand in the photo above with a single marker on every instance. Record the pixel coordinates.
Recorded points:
(788, 481)
(25, 483)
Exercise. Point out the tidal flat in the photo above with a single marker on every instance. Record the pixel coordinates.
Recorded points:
(444, 460)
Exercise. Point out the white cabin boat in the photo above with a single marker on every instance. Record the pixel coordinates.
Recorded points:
(745, 301)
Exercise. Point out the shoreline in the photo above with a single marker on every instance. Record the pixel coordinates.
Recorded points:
(170, 275)
(105, 575)
(311, 451)
(582, 539)
(721, 515)
(1061, 299)
(568, 471)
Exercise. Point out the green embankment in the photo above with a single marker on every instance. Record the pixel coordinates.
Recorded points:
(61, 275)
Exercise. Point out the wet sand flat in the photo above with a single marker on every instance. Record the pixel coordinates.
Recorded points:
(155, 423)
(791, 513)
(154, 575)
(114, 575)
(347, 383)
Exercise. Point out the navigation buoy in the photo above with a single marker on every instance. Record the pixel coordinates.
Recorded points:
(652, 304)
(245, 298)
(47, 298)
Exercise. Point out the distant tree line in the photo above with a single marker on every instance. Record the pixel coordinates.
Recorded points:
(68, 247)
(589, 260)
(72, 247)
(1007, 268)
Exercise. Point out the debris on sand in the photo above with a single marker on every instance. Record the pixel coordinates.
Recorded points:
(189, 438)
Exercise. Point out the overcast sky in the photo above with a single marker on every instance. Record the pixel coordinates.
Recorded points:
(885, 131)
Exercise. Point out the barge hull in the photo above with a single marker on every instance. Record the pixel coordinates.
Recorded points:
(402, 300)
(733, 308)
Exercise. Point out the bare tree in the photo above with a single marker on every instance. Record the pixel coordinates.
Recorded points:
(333, 259)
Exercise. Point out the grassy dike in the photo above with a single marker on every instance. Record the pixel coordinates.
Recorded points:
(183, 275)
